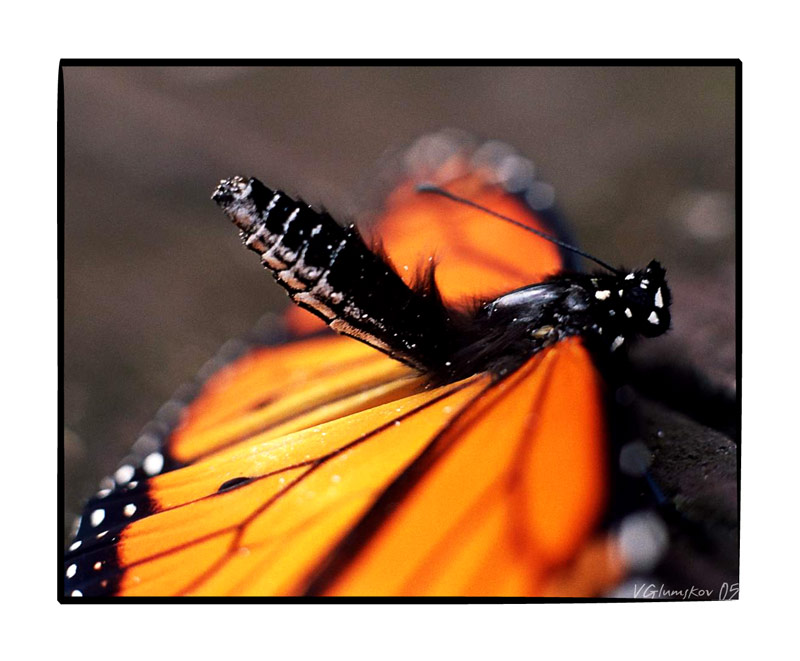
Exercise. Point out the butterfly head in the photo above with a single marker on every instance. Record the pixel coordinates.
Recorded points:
(633, 303)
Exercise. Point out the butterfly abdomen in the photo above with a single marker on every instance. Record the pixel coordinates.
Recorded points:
(328, 269)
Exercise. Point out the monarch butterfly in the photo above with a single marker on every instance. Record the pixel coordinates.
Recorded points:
(458, 448)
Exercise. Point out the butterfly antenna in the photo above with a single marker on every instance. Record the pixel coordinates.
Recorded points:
(430, 188)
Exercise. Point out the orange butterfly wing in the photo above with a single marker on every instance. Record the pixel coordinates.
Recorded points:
(324, 467)
(477, 256)
(500, 501)
(307, 488)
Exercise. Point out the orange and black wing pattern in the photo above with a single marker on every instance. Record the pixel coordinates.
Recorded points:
(321, 466)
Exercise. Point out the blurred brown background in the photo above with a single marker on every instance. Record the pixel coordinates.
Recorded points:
(642, 160)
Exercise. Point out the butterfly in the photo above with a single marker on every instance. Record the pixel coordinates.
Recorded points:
(449, 440)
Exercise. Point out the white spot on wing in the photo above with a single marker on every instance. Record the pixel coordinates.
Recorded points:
(617, 343)
(628, 313)
(630, 276)
(130, 509)
(124, 474)
(75, 545)
(602, 295)
(97, 517)
(72, 570)
(540, 195)
(153, 463)
(659, 300)
(635, 458)
(643, 539)
(653, 318)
